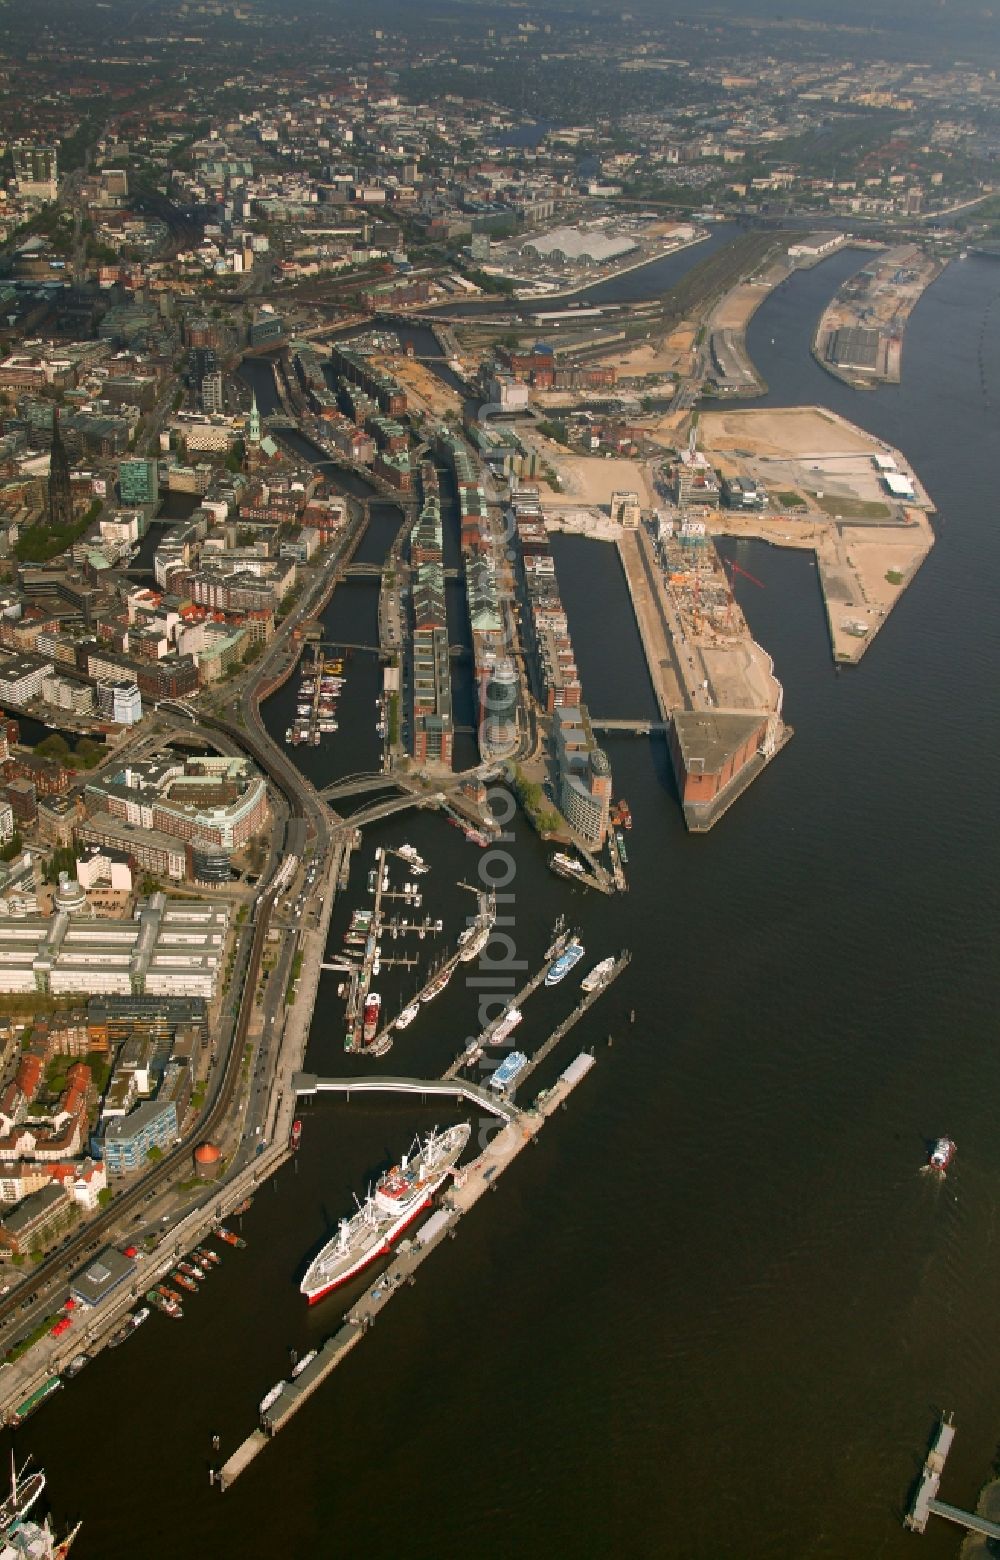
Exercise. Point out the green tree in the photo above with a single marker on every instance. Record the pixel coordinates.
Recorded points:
(12, 847)
(53, 746)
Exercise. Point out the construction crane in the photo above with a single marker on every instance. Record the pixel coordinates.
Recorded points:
(735, 569)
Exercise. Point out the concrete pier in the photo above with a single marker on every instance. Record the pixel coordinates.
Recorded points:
(930, 1479)
(470, 1183)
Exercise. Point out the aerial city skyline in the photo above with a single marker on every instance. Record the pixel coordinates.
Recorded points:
(497, 651)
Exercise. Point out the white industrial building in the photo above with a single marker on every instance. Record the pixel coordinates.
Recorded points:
(171, 948)
(899, 486)
(579, 246)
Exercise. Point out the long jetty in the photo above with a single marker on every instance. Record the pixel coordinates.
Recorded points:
(926, 1503)
(469, 1185)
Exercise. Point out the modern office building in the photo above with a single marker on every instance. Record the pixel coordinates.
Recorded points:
(120, 701)
(139, 482)
(128, 1139)
(584, 776)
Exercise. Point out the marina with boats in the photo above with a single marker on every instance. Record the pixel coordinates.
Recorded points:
(364, 957)
(319, 690)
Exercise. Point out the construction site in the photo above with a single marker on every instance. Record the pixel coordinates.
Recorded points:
(829, 488)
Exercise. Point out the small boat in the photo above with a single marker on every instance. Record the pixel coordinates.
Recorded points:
(598, 975)
(296, 1136)
(192, 1270)
(230, 1238)
(306, 1359)
(407, 1016)
(270, 1398)
(184, 1281)
(77, 1363)
(942, 1154)
(204, 1254)
(373, 1007)
(244, 1206)
(168, 1294)
(128, 1327)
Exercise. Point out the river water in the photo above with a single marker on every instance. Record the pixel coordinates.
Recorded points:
(715, 1310)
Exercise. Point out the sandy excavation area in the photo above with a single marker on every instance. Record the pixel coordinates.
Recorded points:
(809, 451)
(667, 355)
(795, 432)
(423, 385)
(590, 479)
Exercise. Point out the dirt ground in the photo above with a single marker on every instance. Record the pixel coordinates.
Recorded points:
(805, 450)
(423, 385)
(791, 432)
(664, 356)
(590, 479)
(737, 307)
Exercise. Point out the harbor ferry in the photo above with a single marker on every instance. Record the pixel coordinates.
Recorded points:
(566, 866)
(567, 961)
(35, 1400)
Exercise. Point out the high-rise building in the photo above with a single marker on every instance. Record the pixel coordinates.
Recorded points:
(625, 510)
(60, 496)
(139, 482)
(212, 399)
(35, 168)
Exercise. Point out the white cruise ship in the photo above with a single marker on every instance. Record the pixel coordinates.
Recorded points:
(399, 1197)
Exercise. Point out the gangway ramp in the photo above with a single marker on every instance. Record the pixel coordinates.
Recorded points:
(308, 1085)
(967, 1519)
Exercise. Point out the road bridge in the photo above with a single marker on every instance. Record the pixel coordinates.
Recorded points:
(308, 1085)
(642, 728)
(353, 785)
(386, 809)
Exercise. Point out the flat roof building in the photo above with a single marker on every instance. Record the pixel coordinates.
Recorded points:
(168, 949)
(106, 1272)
